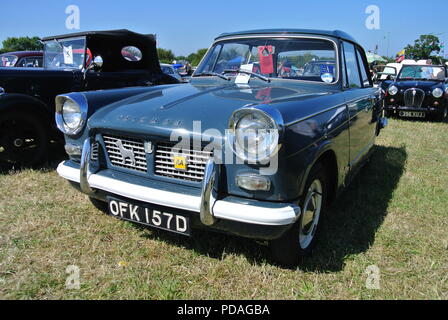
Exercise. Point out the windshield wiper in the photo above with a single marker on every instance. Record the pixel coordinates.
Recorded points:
(259, 76)
(208, 74)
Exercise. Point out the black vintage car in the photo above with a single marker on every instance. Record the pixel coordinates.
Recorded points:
(73, 62)
(419, 91)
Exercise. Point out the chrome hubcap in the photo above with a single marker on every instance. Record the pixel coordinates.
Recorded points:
(311, 214)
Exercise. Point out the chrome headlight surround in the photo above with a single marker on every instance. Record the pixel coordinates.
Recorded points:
(437, 93)
(393, 90)
(77, 100)
(261, 127)
(2, 91)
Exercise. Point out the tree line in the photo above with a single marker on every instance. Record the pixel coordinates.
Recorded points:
(167, 56)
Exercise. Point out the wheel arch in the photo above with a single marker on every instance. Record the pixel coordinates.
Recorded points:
(328, 157)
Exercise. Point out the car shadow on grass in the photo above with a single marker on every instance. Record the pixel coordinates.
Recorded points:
(349, 228)
(351, 223)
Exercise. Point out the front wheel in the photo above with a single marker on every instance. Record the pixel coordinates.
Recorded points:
(23, 140)
(300, 239)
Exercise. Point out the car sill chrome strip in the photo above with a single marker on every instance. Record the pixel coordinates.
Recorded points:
(222, 209)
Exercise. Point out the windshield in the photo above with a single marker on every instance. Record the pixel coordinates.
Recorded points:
(422, 72)
(298, 59)
(8, 61)
(65, 53)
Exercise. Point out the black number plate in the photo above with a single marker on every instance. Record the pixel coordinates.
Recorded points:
(144, 214)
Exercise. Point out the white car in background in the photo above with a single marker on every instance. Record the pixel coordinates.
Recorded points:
(169, 70)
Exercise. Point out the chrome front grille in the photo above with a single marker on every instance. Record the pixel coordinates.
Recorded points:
(414, 97)
(196, 161)
(94, 151)
(126, 153)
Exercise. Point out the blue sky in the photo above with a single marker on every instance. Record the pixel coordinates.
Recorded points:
(185, 26)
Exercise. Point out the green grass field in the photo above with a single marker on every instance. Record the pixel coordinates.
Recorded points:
(394, 216)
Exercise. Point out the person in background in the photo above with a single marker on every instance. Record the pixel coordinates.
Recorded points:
(188, 69)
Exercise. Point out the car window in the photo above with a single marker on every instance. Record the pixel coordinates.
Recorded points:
(351, 64)
(422, 72)
(305, 59)
(30, 62)
(211, 59)
(8, 61)
(65, 53)
(365, 77)
(131, 53)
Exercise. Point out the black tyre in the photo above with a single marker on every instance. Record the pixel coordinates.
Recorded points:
(301, 238)
(100, 205)
(23, 140)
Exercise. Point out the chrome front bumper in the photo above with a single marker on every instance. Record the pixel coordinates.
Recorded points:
(150, 191)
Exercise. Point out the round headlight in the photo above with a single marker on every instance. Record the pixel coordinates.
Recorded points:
(393, 90)
(437, 93)
(71, 113)
(256, 135)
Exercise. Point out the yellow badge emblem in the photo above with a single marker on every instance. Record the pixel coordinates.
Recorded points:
(180, 163)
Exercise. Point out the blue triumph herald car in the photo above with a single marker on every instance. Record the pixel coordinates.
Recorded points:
(253, 146)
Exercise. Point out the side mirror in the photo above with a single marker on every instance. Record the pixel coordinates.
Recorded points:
(96, 64)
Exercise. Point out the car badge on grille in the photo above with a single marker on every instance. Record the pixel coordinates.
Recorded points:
(180, 163)
(125, 153)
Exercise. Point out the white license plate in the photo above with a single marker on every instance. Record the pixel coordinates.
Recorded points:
(412, 114)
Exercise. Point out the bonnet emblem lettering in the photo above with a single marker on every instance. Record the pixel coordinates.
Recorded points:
(125, 153)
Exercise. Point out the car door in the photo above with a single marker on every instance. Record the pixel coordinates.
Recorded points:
(111, 80)
(362, 99)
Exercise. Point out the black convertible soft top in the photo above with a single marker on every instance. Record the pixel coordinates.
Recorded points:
(121, 33)
(109, 44)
